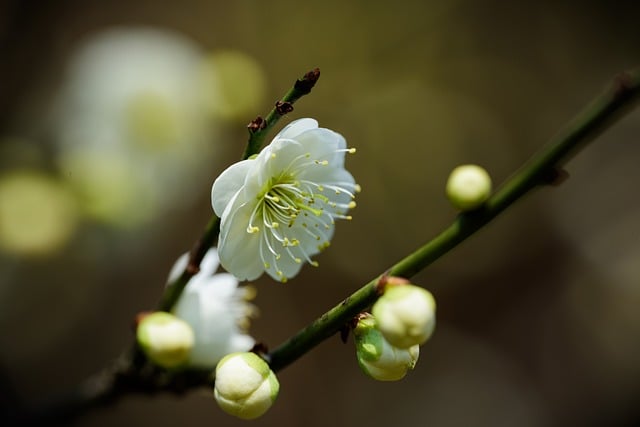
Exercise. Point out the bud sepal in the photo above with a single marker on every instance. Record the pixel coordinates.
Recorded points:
(376, 357)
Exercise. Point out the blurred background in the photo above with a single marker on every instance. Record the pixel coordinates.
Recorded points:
(115, 118)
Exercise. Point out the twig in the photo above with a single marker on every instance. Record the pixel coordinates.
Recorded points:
(540, 170)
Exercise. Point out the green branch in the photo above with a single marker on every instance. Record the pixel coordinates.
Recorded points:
(542, 169)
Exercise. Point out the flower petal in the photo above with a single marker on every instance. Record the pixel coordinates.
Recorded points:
(295, 128)
(228, 184)
(238, 249)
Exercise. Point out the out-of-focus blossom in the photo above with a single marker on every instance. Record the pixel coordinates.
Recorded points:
(238, 83)
(37, 213)
(133, 123)
(279, 209)
(217, 310)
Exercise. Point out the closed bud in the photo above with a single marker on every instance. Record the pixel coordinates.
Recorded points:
(468, 187)
(245, 386)
(379, 359)
(405, 314)
(165, 339)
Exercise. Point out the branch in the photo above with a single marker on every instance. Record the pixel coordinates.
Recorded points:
(542, 169)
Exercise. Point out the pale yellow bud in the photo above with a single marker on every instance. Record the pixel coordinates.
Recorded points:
(245, 385)
(468, 187)
(165, 339)
(405, 315)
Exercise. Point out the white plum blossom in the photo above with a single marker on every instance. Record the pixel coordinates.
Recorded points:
(217, 310)
(279, 208)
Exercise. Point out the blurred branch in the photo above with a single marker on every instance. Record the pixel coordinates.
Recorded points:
(542, 169)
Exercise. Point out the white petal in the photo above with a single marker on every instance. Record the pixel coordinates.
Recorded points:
(295, 128)
(324, 144)
(178, 267)
(239, 250)
(287, 266)
(329, 176)
(210, 262)
(240, 342)
(228, 184)
(285, 152)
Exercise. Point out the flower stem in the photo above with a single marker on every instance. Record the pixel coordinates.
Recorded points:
(259, 127)
(258, 130)
(542, 169)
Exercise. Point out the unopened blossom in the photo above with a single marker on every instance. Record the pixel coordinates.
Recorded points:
(468, 187)
(278, 209)
(217, 310)
(405, 314)
(379, 359)
(165, 339)
(245, 386)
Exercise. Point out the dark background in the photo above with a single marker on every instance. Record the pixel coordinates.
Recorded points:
(538, 320)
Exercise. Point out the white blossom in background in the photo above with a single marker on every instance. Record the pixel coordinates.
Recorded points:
(279, 209)
(133, 122)
(38, 213)
(217, 310)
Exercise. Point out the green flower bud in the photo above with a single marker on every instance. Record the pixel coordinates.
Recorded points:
(245, 385)
(468, 187)
(405, 315)
(165, 339)
(379, 359)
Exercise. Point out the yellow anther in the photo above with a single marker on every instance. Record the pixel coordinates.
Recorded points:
(252, 229)
(351, 150)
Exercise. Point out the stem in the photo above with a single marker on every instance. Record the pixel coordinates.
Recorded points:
(258, 130)
(541, 169)
(259, 127)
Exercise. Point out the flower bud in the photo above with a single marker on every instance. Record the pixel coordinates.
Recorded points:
(379, 359)
(165, 339)
(405, 315)
(245, 385)
(468, 187)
